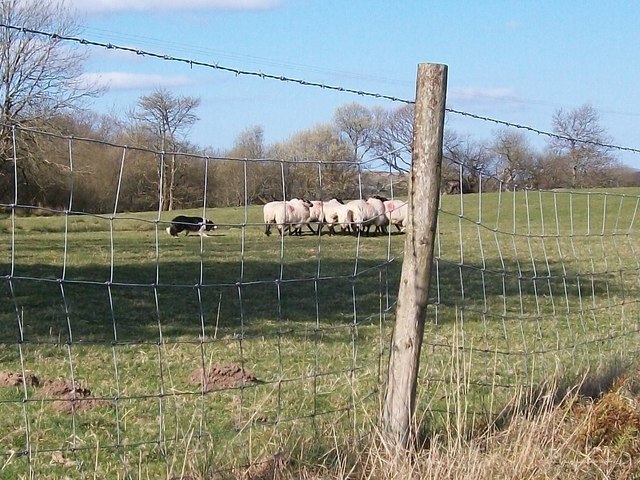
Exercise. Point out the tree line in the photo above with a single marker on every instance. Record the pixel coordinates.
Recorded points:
(161, 168)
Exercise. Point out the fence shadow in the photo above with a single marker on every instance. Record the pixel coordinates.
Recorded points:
(259, 297)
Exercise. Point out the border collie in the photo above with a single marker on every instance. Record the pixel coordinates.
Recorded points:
(198, 225)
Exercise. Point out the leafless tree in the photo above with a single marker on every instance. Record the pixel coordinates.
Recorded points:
(338, 170)
(257, 178)
(168, 118)
(393, 138)
(356, 123)
(464, 161)
(582, 143)
(249, 143)
(39, 79)
(516, 162)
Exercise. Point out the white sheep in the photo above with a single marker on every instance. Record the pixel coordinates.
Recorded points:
(334, 213)
(289, 215)
(367, 213)
(397, 212)
(316, 215)
(361, 215)
(271, 212)
(299, 212)
(380, 220)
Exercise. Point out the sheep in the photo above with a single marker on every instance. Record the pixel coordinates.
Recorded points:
(367, 213)
(335, 212)
(299, 211)
(271, 212)
(397, 212)
(316, 215)
(361, 216)
(380, 220)
(288, 215)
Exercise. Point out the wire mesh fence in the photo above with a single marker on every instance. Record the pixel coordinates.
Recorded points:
(529, 286)
(128, 352)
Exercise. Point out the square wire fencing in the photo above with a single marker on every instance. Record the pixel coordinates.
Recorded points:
(125, 351)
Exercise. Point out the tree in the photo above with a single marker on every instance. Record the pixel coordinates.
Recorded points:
(582, 143)
(39, 79)
(356, 123)
(464, 160)
(392, 142)
(338, 171)
(516, 162)
(167, 118)
(262, 177)
(249, 144)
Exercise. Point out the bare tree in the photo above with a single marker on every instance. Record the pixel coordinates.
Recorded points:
(516, 162)
(249, 143)
(464, 160)
(168, 118)
(357, 124)
(320, 143)
(262, 177)
(582, 142)
(39, 79)
(392, 144)
(393, 137)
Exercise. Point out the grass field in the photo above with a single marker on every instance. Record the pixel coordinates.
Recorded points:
(527, 286)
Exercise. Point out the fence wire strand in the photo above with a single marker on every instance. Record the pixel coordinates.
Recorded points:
(524, 281)
(301, 82)
(528, 284)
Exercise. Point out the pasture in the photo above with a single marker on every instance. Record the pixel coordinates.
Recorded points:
(527, 286)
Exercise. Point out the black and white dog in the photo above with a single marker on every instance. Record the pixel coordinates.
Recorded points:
(198, 225)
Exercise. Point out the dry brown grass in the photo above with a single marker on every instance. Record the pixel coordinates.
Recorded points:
(573, 435)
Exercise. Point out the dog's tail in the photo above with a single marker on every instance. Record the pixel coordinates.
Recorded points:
(170, 231)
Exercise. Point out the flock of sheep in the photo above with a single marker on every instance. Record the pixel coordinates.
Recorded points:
(356, 216)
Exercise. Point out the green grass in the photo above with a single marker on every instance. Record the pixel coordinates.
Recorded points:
(526, 285)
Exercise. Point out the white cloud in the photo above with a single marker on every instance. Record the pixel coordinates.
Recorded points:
(104, 6)
(132, 81)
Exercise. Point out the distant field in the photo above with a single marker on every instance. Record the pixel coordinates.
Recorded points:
(526, 286)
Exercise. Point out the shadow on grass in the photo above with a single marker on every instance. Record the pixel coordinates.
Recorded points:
(191, 299)
(229, 295)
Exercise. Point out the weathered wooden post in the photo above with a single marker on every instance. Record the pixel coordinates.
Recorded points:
(424, 194)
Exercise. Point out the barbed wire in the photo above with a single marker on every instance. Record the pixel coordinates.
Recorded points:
(299, 81)
(542, 132)
(198, 63)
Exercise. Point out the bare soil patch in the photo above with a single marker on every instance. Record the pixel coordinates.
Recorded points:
(70, 397)
(14, 379)
(219, 376)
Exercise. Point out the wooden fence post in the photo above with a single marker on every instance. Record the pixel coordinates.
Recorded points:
(424, 194)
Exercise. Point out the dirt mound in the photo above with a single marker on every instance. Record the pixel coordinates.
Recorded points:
(70, 397)
(219, 376)
(11, 379)
(63, 388)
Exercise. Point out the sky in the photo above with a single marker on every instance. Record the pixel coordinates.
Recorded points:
(514, 61)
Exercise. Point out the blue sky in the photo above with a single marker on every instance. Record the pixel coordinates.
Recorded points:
(517, 61)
